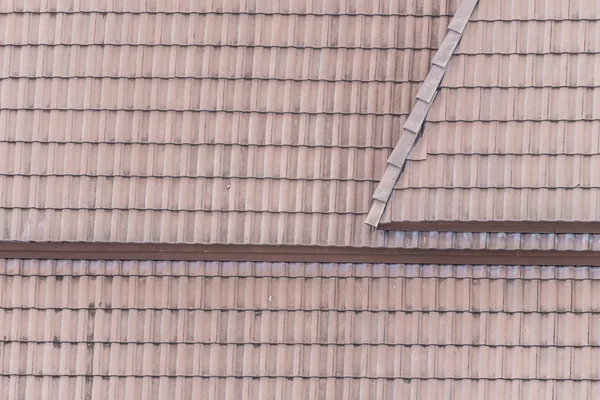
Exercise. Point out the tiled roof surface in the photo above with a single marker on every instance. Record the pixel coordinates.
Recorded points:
(124, 330)
(512, 134)
(243, 121)
(219, 121)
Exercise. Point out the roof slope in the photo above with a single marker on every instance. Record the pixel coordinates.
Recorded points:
(513, 133)
(210, 122)
(128, 330)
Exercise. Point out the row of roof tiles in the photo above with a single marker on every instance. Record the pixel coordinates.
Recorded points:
(185, 194)
(58, 268)
(209, 95)
(302, 294)
(410, 7)
(223, 30)
(492, 171)
(375, 362)
(248, 388)
(191, 161)
(517, 104)
(496, 204)
(293, 64)
(505, 10)
(200, 128)
(186, 227)
(515, 138)
(303, 328)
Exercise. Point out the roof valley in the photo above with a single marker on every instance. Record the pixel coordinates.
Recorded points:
(425, 98)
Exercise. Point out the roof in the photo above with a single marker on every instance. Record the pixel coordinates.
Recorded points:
(211, 123)
(512, 134)
(255, 330)
(220, 122)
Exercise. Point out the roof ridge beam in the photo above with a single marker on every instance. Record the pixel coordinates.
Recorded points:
(107, 251)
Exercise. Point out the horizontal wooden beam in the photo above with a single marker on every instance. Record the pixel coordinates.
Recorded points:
(558, 227)
(304, 254)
